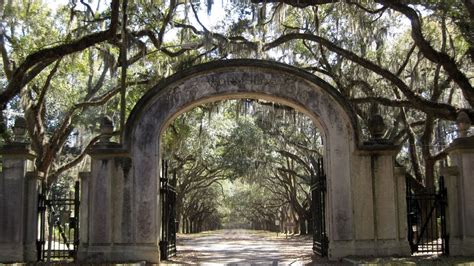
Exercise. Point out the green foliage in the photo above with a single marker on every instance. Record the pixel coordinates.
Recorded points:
(249, 204)
(239, 139)
(260, 153)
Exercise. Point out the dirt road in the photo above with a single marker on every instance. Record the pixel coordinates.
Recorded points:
(244, 247)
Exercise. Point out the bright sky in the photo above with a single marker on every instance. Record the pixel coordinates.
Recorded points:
(208, 20)
(55, 3)
(217, 12)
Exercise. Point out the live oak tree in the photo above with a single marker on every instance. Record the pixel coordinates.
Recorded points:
(64, 69)
(411, 61)
(189, 145)
(261, 155)
(252, 206)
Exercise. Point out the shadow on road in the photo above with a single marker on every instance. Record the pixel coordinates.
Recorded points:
(244, 247)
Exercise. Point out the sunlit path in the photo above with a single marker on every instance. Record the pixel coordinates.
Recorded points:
(236, 247)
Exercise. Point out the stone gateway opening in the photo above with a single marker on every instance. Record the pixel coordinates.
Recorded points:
(233, 168)
(120, 210)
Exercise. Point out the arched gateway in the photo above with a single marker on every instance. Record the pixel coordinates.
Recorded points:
(120, 198)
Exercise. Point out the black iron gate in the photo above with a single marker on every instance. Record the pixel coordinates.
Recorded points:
(318, 208)
(58, 225)
(427, 220)
(168, 213)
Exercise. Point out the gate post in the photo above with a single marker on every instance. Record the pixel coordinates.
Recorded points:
(18, 195)
(460, 184)
(99, 208)
(85, 178)
(379, 204)
(379, 197)
(107, 208)
(32, 189)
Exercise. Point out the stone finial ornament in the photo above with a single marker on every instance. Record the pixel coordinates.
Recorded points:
(106, 129)
(376, 126)
(464, 123)
(19, 129)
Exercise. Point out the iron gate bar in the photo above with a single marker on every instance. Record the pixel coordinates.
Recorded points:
(426, 216)
(318, 207)
(443, 206)
(58, 235)
(41, 224)
(168, 219)
(425, 225)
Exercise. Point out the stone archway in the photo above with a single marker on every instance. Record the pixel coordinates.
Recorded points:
(365, 213)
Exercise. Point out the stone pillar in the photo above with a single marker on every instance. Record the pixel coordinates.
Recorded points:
(451, 176)
(379, 203)
(106, 209)
(108, 213)
(18, 209)
(85, 178)
(460, 186)
(33, 187)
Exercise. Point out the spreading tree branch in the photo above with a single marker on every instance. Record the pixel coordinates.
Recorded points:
(297, 3)
(429, 52)
(7, 66)
(67, 166)
(441, 110)
(44, 57)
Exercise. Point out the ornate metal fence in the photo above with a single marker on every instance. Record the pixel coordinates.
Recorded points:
(318, 208)
(168, 214)
(427, 220)
(58, 226)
